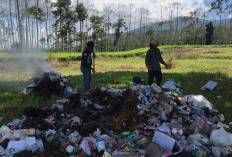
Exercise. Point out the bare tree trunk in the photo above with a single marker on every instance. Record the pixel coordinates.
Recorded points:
(20, 26)
(130, 17)
(140, 23)
(16, 20)
(177, 21)
(86, 27)
(46, 27)
(11, 23)
(37, 29)
(203, 24)
(161, 24)
(230, 30)
(81, 36)
(31, 36)
(26, 43)
(57, 39)
(170, 30)
(181, 31)
(108, 32)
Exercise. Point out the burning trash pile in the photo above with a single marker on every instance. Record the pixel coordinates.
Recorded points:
(140, 121)
(51, 83)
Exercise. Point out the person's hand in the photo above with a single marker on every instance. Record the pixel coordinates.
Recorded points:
(166, 66)
(93, 70)
(150, 68)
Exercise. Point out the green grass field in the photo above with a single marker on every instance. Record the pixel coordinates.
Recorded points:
(70, 56)
(191, 67)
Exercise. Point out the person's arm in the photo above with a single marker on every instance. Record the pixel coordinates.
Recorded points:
(162, 61)
(93, 69)
(148, 60)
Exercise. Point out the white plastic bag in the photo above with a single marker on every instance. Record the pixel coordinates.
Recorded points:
(216, 151)
(221, 138)
(199, 100)
(87, 144)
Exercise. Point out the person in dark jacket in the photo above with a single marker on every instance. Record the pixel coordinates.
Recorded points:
(153, 60)
(86, 63)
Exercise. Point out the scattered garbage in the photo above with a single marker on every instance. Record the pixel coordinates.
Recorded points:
(136, 122)
(137, 80)
(210, 85)
(172, 86)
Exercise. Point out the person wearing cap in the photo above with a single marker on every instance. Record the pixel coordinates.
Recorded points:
(86, 63)
(153, 60)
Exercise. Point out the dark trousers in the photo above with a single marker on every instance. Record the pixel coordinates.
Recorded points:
(87, 77)
(157, 75)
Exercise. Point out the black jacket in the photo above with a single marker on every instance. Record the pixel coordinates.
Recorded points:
(86, 59)
(153, 59)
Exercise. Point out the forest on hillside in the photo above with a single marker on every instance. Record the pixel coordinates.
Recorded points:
(63, 26)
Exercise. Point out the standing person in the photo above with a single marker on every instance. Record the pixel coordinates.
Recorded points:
(86, 63)
(153, 60)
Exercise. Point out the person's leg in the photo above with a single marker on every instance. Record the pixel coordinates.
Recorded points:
(85, 72)
(89, 78)
(158, 76)
(150, 77)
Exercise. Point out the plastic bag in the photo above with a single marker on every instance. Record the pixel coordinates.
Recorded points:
(74, 137)
(221, 138)
(4, 130)
(88, 144)
(199, 138)
(107, 139)
(97, 133)
(164, 128)
(216, 151)
(30, 144)
(50, 134)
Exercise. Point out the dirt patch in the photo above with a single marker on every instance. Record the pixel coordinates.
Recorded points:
(180, 50)
(211, 52)
(119, 113)
(124, 67)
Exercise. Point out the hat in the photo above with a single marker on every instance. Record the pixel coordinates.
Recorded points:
(154, 42)
(90, 44)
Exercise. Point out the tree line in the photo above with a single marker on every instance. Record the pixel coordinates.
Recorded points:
(62, 26)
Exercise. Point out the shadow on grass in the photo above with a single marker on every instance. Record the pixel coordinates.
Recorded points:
(13, 101)
(191, 84)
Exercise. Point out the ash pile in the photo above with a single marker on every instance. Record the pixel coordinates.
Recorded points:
(50, 83)
(136, 122)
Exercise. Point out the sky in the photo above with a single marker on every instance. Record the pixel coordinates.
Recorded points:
(149, 4)
(154, 5)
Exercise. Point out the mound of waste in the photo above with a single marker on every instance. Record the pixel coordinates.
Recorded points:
(51, 83)
(140, 121)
